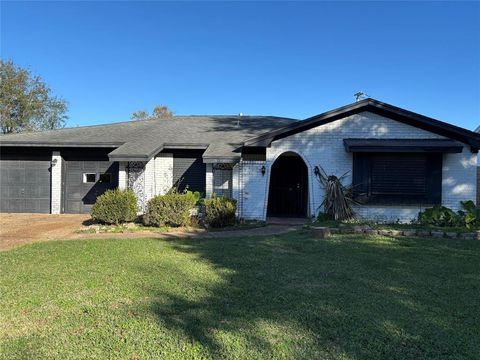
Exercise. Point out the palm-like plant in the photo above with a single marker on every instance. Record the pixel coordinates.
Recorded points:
(338, 200)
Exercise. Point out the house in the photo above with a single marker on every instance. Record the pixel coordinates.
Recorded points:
(399, 162)
(477, 130)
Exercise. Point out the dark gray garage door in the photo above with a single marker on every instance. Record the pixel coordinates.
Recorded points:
(84, 181)
(25, 186)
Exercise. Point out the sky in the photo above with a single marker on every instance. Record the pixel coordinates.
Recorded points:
(292, 59)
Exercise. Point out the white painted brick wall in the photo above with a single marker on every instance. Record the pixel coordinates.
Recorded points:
(323, 146)
(122, 175)
(150, 179)
(56, 183)
(235, 184)
(163, 173)
(209, 181)
(253, 190)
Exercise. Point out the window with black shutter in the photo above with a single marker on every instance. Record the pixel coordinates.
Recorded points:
(397, 178)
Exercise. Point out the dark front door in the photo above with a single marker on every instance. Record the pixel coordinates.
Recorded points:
(288, 192)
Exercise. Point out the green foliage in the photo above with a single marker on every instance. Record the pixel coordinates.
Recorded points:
(220, 211)
(196, 196)
(115, 207)
(442, 216)
(471, 214)
(172, 209)
(322, 217)
(159, 112)
(26, 102)
(338, 200)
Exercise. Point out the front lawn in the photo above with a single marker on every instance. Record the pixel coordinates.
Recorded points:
(348, 297)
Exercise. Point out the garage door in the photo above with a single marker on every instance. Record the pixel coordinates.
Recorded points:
(84, 181)
(25, 186)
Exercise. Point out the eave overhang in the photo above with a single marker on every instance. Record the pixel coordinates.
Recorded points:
(377, 107)
(403, 145)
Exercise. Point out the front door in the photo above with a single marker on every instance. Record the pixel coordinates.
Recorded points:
(288, 191)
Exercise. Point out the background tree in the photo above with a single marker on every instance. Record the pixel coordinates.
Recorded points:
(26, 102)
(159, 112)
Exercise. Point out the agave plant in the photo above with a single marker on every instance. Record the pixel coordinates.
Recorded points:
(338, 200)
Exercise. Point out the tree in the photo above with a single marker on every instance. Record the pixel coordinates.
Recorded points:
(26, 102)
(159, 112)
(162, 112)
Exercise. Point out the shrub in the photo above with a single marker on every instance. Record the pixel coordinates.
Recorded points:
(338, 201)
(220, 211)
(439, 215)
(471, 213)
(172, 209)
(195, 195)
(115, 207)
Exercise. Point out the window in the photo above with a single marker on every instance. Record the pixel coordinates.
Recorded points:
(222, 180)
(89, 177)
(105, 178)
(397, 178)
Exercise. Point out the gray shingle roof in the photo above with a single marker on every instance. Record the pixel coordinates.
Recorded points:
(221, 136)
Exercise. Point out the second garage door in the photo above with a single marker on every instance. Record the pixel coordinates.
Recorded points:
(84, 181)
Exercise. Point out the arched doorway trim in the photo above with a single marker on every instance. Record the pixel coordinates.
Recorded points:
(295, 186)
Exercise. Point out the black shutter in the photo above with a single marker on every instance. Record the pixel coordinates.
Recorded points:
(395, 174)
(361, 176)
(434, 178)
(397, 178)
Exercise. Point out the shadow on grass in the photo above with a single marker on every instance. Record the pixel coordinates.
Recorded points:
(343, 297)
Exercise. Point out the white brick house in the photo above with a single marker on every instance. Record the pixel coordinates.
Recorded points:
(399, 161)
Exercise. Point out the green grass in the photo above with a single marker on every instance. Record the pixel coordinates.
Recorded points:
(289, 296)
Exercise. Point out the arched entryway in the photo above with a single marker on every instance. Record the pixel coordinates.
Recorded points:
(288, 189)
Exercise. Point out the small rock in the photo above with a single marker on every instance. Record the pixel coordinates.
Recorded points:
(409, 232)
(423, 233)
(320, 232)
(346, 230)
(384, 232)
(437, 234)
(451, 234)
(334, 230)
(396, 233)
(469, 236)
(477, 235)
(358, 229)
(371, 232)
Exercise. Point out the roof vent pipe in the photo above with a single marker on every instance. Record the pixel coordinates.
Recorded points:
(238, 120)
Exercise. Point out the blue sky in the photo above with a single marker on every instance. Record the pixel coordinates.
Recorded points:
(108, 59)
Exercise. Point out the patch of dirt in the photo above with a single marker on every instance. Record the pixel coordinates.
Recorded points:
(20, 229)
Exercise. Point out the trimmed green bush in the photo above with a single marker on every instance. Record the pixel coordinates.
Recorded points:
(220, 211)
(471, 213)
(115, 207)
(439, 215)
(172, 209)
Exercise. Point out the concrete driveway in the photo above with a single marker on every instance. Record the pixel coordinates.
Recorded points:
(19, 229)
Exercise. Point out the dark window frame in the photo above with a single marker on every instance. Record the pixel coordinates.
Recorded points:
(362, 180)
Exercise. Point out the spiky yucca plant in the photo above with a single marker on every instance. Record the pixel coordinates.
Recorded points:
(338, 200)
